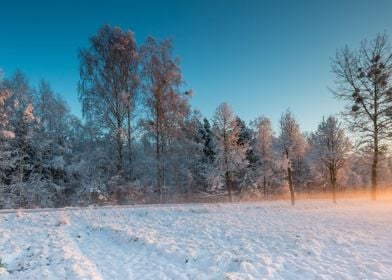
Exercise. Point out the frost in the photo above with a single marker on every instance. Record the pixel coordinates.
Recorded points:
(58, 163)
(7, 134)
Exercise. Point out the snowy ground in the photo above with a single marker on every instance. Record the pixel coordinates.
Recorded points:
(266, 240)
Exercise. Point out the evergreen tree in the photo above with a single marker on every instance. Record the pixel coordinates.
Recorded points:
(206, 136)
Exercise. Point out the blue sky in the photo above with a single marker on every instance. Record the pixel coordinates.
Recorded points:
(260, 56)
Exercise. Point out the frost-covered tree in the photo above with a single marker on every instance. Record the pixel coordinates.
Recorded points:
(264, 138)
(183, 157)
(300, 164)
(21, 118)
(5, 94)
(330, 148)
(34, 149)
(207, 137)
(53, 113)
(53, 148)
(230, 154)
(166, 106)
(363, 81)
(291, 144)
(5, 135)
(108, 82)
(245, 138)
(13, 159)
(245, 176)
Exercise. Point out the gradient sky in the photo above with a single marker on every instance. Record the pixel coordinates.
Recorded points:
(261, 57)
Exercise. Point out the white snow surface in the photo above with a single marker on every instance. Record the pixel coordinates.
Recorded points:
(264, 240)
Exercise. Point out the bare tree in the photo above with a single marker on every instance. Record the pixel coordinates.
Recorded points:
(166, 107)
(363, 80)
(330, 147)
(108, 81)
(264, 135)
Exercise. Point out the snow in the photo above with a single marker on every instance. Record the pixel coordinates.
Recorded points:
(264, 240)
(7, 134)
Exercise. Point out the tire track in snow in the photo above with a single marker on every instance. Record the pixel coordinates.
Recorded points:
(110, 259)
(81, 265)
(248, 241)
(133, 256)
(50, 256)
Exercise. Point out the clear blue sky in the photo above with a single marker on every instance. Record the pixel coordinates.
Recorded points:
(261, 57)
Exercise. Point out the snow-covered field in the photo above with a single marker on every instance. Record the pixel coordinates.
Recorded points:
(266, 240)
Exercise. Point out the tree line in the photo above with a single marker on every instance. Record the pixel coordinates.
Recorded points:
(141, 141)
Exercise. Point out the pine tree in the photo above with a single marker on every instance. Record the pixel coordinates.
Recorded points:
(245, 138)
(207, 141)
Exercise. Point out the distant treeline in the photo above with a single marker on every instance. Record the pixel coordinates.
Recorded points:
(140, 140)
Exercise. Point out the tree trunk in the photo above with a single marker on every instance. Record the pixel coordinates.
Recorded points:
(265, 186)
(227, 177)
(332, 174)
(291, 188)
(375, 144)
(129, 144)
(334, 191)
(374, 175)
(290, 179)
(159, 147)
(163, 168)
(159, 175)
(119, 148)
(374, 165)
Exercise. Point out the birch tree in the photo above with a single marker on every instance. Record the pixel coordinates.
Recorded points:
(108, 82)
(166, 106)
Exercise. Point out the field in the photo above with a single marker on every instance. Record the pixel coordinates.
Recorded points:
(260, 240)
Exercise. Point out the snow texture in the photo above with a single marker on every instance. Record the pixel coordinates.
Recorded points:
(266, 240)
